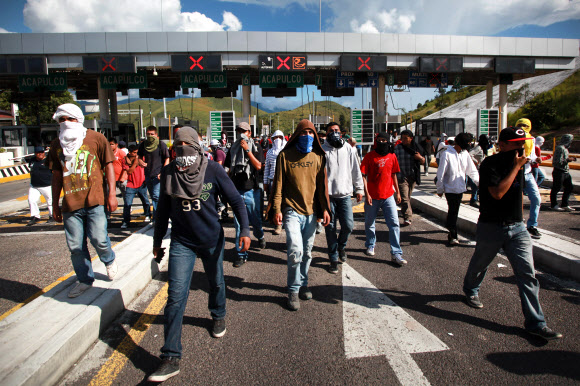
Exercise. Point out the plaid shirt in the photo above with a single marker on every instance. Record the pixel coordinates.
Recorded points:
(406, 162)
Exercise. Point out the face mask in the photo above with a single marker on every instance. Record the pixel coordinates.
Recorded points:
(382, 148)
(277, 143)
(244, 137)
(322, 140)
(335, 140)
(304, 144)
(186, 157)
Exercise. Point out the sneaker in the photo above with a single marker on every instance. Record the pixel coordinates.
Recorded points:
(124, 225)
(406, 223)
(370, 251)
(78, 289)
(568, 209)
(219, 328)
(474, 204)
(305, 293)
(557, 208)
(546, 333)
(534, 233)
(453, 241)
(239, 262)
(33, 220)
(293, 301)
(262, 242)
(112, 270)
(147, 219)
(278, 230)
(319, 227)
(342, 255)
(51, 220)
(398, 258)
(333, 267)
(168, 368)
(473, 301)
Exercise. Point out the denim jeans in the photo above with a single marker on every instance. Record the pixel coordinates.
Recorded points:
(341, 211)
(129, 195)
(474, 190)
(560, 178)
(517, 245)
(538, 175)
(153, 186)
(531, 189)
(428, 159)
(80, 224)
(389, 207)
(180, 270)
(252, 198)
(300, 232)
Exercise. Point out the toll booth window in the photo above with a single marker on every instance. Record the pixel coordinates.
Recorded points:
(451, 129)
(12, 137)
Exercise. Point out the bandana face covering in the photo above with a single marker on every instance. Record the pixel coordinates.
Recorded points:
(335, 140)
(304, 144)
(71, 137)
(187, 156)
(151, 143)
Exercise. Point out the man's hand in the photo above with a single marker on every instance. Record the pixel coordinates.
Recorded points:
(397, 197)
(244, 144)
(244, 243)
(359, 197)
(112, 202)
(369, 200)
(520, 161)
(278, 219)
(440, 194)
(56, 213)
(325, 218)
(142, 163)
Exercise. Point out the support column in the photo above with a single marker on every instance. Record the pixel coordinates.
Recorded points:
(489, 95)
(374, 102)
(381, 110)
(503, 105)
(114, 111)
(103, 102)
(246, 99)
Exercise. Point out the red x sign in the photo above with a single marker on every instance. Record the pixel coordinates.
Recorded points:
(196, 62)
(441, 64)
(108, 64)
(283, 63)
(364, 63)
(435, 79)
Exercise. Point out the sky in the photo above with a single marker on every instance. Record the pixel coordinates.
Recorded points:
(518, 18)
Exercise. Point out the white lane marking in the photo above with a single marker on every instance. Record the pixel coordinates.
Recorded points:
(31, 233)
(375, 325)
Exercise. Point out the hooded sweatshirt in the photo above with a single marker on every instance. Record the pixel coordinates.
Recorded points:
(270, 166)
(528, 145)
(560, 160)
(300, 181)
(343, 170)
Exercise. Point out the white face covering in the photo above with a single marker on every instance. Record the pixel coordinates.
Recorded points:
(71, 137)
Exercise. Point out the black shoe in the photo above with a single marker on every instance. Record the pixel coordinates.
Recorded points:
(239, 262)
(474, 204)
(219, 328)
(473, 301)
(169, 368)
(33, 220)
(51, 221)
(305, 293)
(342, 255)
(546, 333)
(293, 301)
(262, 242)
(333, 267)
(534, 233)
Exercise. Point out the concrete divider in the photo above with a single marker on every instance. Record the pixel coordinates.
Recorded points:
(42, 340)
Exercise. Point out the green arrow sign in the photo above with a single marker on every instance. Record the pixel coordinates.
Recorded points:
(51, 82)
(289, 79)
(114, 81)
(212, 79)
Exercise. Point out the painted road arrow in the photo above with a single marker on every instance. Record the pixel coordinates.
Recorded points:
(374, 325)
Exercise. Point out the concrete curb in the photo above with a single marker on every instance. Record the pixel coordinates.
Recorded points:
(41, 341)
(556, 252)
(11, 206)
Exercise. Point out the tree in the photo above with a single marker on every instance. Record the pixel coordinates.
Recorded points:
(342, 120)
(36, 112)
(541, 111)
(419, 105)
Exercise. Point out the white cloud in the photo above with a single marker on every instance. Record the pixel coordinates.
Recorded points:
(3, 31)
(120, 15)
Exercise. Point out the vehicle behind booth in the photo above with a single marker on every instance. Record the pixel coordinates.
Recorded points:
(435, 128)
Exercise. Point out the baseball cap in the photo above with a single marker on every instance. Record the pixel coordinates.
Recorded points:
(512, 134)
(38, 149)
(245, 126)
(214, 142)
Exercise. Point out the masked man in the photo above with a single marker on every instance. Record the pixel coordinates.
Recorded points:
(278, 143)
(154, 155)
(561, 174)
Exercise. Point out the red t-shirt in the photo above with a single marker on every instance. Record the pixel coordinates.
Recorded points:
(118, 162)
(379, 170)
(135, 179)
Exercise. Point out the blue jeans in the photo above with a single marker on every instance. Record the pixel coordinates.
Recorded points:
(538, 175)
(517, 245)
(389, 207)
(300, 232)
(129, 195)
(533, 193)
(180, 270)
(253, 200)
(80, 224)
(153, 186)
(341, 211)
(474, 190)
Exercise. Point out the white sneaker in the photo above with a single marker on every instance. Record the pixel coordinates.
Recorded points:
(568, 209)
(147, 219)
(112, 270)
(557, 208)
(78, 289)
(370, 251)
(124, 225)
(399, 259)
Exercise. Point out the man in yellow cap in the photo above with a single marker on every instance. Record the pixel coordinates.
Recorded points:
(530, 185)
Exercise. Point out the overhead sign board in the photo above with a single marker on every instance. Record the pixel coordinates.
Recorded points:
(488, 122)
(508, 65)
(423, 79)
(362, 123)
(196, 62)
(34, 83)
(124, 80)
(348, 79)
(363, 63)
(24, 65)
(282, 62)
(440, 64)
(204, 79)
(107, 64)
(272, 79)
(222, 121)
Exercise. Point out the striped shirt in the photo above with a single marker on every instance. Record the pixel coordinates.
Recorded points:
(270, 167)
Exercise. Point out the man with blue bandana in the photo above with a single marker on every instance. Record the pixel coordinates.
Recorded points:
(300, 197)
